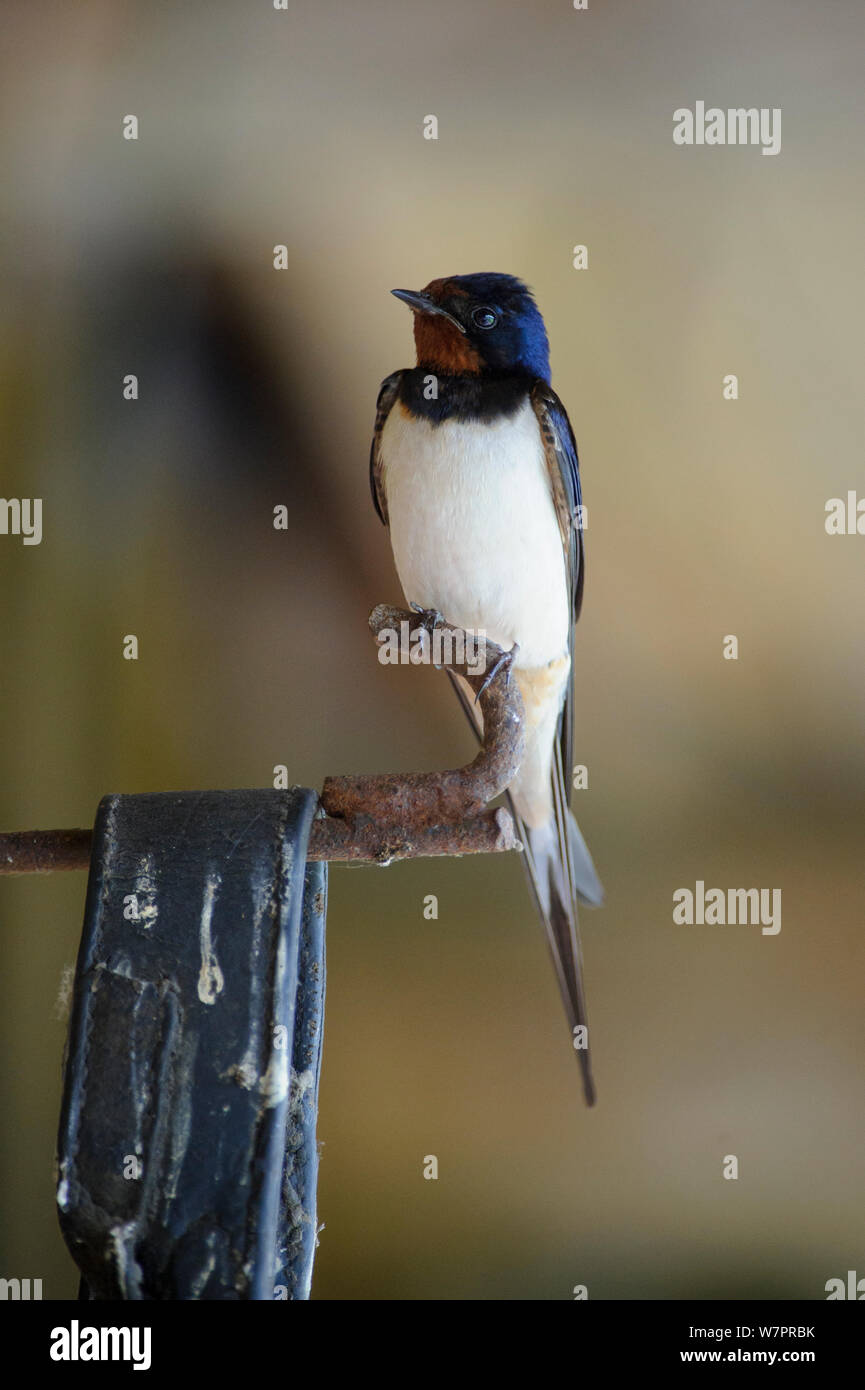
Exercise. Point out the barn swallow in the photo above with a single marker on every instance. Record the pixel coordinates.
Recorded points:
(474, 470)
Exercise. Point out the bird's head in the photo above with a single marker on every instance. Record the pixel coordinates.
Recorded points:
(478, 323)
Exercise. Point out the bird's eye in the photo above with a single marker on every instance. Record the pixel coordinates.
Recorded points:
(484, 318)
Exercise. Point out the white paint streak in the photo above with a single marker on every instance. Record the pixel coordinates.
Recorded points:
(128, 1268)
(274, 1083)
(302, 1082)
(210, 978)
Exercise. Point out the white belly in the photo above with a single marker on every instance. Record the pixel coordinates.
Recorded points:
(474, 530)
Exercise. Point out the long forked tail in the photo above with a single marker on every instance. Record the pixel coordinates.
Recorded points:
(559, 869)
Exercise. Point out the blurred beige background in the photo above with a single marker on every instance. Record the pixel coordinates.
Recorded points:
(705, 518)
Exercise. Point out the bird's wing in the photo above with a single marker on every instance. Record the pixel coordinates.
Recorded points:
(557, 862)
(563, 465)
(388, 393)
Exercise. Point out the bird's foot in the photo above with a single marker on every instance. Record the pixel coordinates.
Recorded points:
(503, 662)
(432, 618)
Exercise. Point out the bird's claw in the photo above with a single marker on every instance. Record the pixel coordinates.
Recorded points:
(432, 618)
(505, 660)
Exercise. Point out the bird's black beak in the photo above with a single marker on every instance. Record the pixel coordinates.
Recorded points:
(422, 304)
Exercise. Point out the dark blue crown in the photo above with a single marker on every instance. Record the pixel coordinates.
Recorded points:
(519, 342)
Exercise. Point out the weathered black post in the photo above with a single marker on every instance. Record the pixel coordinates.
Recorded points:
(187, 1155)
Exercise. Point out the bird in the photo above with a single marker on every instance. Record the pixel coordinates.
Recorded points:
(475, 473)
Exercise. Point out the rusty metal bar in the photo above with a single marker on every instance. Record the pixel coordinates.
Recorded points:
(44, 851)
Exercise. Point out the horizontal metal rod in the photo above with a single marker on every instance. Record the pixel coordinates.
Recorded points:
(366, 841)
(44, 851)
